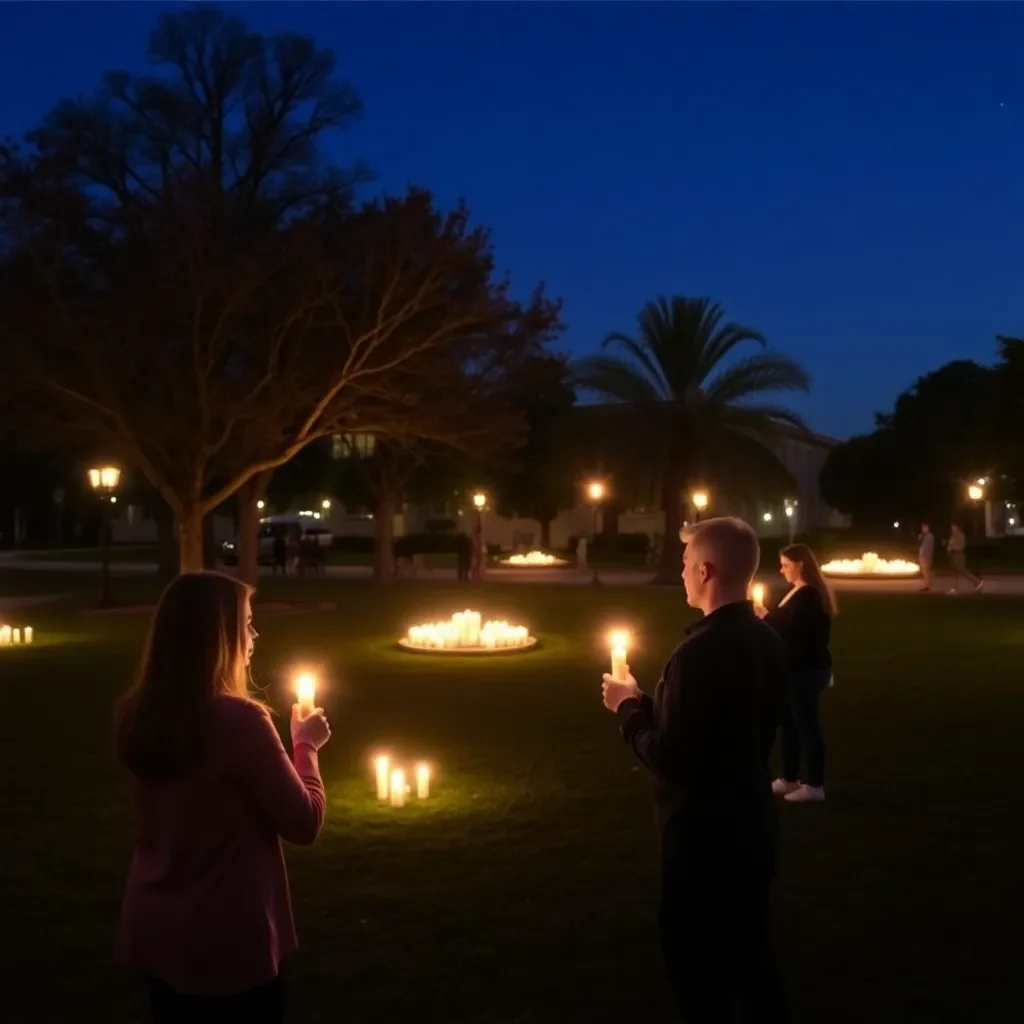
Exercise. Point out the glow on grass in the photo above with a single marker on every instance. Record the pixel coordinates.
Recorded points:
(533, 559)
(869, 564)
(467, 632)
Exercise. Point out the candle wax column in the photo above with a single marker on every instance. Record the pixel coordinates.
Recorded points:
(422, 781)
(383, 765)
(305, 691)
(620, 670)
(398, 788)
(29, 634)
(757, 594)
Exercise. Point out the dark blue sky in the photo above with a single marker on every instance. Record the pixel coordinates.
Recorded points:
(848, 178)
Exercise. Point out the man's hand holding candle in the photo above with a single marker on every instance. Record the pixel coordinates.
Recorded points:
(615, 691)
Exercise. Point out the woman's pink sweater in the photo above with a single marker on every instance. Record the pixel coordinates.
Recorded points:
(206, 906)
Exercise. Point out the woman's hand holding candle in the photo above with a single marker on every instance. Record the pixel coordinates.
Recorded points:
(305, 692)
(312, 729)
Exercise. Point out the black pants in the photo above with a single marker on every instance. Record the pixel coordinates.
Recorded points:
(716, 943)
(800, 729)
(262, 1005)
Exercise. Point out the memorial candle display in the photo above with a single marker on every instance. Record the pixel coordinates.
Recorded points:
(467, 631)
(870, 565)
(15, 636)
(533, 559)
(305, 691)
(619, 642)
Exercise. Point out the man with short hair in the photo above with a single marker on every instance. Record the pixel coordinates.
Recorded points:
(706, 737)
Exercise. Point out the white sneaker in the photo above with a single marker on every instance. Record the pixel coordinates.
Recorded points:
(807, 795)
(781, 787)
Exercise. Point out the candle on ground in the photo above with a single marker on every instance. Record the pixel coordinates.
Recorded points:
(383, 765)
(17, 636)
(305, 691)
(5, 636)
(398, 788)
(422, 781)
(29, 633)
(620, 669)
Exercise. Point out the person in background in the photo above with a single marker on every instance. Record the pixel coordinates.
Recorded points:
(463, 556)
(803, 619)
(956, 547)
(279, 556)
(926, 555)
(207, 916)
(706, 738)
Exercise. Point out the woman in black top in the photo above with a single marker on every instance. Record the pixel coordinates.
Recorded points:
(803, 619)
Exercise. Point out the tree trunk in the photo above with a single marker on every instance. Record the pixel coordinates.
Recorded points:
(167, 553)
(248, 517)
(670, 566)
(210, 551)
(384, 521)
(190, 540)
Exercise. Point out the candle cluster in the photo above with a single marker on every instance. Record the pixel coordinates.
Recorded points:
(869, 564)
(391, 785)
(533, 558)
(466, 631)
(14, 636)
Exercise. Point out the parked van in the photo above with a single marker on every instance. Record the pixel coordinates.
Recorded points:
(312, 528)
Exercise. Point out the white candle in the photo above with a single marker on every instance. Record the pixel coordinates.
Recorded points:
(422, 781)
(29, 633)
(757, 593)
(620, 670)
(5, 636)
(17, 636)
(398, 788)
(305, 691)
(383, 764)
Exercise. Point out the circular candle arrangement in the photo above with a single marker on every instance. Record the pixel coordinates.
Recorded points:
(392, 788)
(533, 560)
(15, 636)
(870, 566)
(466, 633)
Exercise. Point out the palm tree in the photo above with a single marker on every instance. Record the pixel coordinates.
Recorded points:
(684, 403)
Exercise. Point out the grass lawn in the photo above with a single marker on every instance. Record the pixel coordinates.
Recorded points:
(524, 890)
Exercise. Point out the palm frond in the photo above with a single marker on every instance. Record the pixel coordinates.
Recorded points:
(757, 375)
(641, 352)
(614, 380)
(761, 420)
(720, 345)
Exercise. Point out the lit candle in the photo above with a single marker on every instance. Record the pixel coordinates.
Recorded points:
(29, 633)
(5, 636)
(398, 788)
(757, 593)
(383, 764)
(422, 781)
(305, 690)
(620, 669)
(17, 636)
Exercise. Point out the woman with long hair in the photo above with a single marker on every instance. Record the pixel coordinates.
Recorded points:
(207, 915)
(803, 618)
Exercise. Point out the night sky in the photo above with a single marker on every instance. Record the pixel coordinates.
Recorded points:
(848, 178)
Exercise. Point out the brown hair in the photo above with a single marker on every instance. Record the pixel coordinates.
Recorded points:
(803, 556)
(195, 651)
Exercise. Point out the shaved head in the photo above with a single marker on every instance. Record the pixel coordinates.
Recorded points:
(720, 559)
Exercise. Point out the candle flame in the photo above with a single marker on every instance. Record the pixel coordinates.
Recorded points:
(618, 639)
(305, 687)
(757, 592)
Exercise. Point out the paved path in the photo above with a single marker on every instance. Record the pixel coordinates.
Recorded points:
(1000, 585)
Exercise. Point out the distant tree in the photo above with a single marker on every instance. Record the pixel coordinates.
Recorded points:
(682, 398)
(540, 478)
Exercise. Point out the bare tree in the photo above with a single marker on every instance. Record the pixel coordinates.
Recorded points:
(187, 286)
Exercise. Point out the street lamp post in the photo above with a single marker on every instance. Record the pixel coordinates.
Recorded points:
(791, 518)
(700, 503)
(477, 565)
(596, 493)
(104, 481)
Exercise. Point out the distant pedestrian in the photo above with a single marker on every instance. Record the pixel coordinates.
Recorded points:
(206, 917)
(279, 554)
(463, 556)
(803, 619)
(926, 555)
(956, 547)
